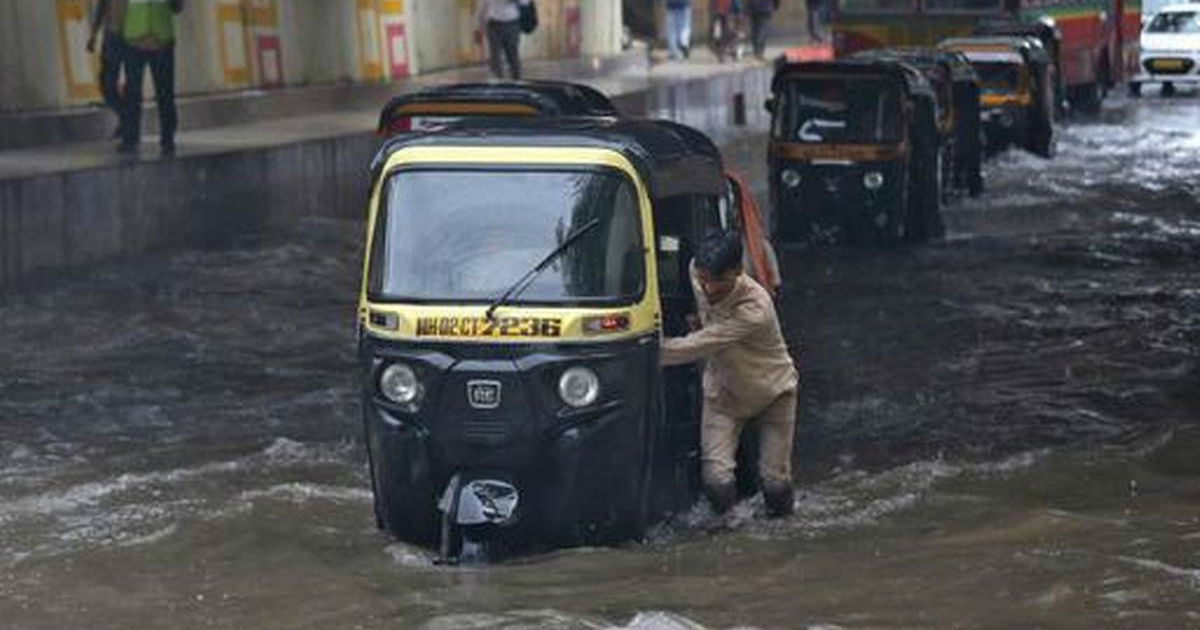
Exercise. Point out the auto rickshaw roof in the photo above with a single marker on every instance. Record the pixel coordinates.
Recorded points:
(548, 98)
(1028, 47)
(672, 159)
(897, 71)
(925, 59)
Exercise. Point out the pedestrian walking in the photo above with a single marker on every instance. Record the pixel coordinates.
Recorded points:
(108, 17)
(748, 373)
(723, 32)
(679, 28)
(148, 31)
(500, 22)
(816, 19)
(760, 17)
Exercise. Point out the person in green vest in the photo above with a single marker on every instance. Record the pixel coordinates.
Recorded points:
(148, 30)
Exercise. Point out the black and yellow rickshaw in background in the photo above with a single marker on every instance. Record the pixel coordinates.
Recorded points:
(1046, 31)
(517, 277)
(959, 126)
(1017, 90)
(853, 153)
(439, 105)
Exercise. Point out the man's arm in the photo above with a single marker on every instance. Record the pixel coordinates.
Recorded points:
(713, 338)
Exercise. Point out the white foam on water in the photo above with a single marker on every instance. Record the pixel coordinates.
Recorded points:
(299, 492)
(409, 557)
(1189, 574)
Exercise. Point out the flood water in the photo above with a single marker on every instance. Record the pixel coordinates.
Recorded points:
(997, 430)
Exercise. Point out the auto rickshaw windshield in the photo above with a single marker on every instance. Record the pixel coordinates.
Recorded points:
(843, 110)
(465, 235)
(997, 77)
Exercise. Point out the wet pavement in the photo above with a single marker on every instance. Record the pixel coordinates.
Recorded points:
(997, 430)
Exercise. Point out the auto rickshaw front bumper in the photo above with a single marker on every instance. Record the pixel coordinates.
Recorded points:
(569, 470)
(826, 201)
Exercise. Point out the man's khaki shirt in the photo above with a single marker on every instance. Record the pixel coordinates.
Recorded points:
(748, 365)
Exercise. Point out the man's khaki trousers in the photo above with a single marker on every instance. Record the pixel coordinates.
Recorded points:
(719, 433)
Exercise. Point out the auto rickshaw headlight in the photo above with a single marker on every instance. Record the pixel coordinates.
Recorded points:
(579, 386)
(399, 384)
(790, 177)
(873, 180)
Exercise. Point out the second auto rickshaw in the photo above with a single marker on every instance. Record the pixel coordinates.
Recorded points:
(437, 106)
(853, 152)
(517, 277)
(957, 88)
(1017, 90)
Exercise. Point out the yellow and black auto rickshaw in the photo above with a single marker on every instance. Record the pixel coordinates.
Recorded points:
(1017, 90)
(433, 108)
(517, 278)
(853, 153)
(958, 122)
(437, 106)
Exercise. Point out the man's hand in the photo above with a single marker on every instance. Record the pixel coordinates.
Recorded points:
(91, 43)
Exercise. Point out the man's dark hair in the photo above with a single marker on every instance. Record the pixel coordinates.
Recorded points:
(719, 252)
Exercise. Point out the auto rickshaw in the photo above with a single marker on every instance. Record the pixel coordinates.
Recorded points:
(433, 108)
(437, 106)
(853, 153)
(518, 274)
(957, 88)
(1017, 90)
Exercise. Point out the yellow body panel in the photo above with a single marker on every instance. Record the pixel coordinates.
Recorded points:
(511, 323)
(1021, 99)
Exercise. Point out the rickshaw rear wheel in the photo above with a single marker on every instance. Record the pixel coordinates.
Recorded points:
(1135, 89)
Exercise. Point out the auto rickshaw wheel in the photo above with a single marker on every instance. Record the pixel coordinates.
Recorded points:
(1135, 89)
(1168, 88)
(1088, 97)
(924, 218)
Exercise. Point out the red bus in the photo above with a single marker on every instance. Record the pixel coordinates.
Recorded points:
(1096, 40)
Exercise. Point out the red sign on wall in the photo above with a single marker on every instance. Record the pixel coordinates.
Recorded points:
(270, 60)
(397, 46)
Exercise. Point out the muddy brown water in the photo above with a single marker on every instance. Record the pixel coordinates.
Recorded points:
(997, 430)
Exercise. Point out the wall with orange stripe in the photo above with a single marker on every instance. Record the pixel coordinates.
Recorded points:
(228, 45)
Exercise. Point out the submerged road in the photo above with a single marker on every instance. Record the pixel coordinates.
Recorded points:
(997, 430)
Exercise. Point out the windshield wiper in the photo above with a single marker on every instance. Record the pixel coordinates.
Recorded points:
(521, 284)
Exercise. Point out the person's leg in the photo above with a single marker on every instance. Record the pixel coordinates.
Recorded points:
(718, 454)
(512, 47)
(674, 24)
(162, 70)
(110, 74)
(131, 120)
(777, 427)
(495, 49)
(758, 32)
(685, 31)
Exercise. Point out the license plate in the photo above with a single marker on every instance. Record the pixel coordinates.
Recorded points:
(1167, 64)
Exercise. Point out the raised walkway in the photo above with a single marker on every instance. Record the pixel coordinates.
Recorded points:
(253, 160)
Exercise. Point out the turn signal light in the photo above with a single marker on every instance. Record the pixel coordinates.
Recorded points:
(603, 324)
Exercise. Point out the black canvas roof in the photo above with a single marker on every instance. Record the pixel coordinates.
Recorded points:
(911, 78)
(672, 159)
(925, 58)
(549, 98)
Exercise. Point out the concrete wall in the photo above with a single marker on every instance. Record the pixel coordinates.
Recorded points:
(70, 221)
(239, 44)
